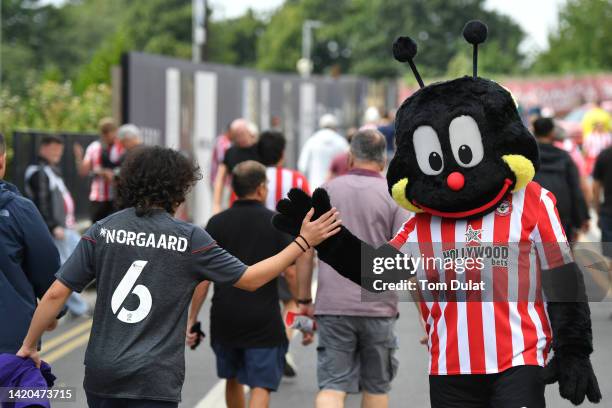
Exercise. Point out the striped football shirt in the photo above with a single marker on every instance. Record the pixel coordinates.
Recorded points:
(484, 336)
(280, 181)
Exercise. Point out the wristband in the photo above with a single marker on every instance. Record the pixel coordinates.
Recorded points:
(298, 244)
(304, 301)
(306, 242)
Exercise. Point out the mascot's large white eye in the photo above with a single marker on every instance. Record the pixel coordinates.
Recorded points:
(428, 150)
(465, 140)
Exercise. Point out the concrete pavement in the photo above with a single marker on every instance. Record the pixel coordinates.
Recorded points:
(202, 389)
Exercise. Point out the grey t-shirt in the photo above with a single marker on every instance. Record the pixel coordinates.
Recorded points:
(146, 269)
(374, 218)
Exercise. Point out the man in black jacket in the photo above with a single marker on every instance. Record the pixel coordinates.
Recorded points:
(45, 187)
(558, 174)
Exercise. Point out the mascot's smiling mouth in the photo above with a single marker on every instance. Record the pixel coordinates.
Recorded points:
(474, 211)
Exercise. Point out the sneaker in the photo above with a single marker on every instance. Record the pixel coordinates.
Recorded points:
(290, 370)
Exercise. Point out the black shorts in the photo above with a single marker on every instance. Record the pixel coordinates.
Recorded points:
(94, 401)
(516, 387)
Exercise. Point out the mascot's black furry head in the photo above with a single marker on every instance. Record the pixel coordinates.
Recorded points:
(461, 145)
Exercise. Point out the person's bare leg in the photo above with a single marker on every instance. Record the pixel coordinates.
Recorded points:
(374, 400)
(330, 399)
(234, 394)
(260, 398)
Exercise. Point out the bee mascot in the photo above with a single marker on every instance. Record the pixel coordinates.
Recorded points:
(464, 165)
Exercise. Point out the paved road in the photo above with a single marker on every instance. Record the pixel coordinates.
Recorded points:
(203, 390)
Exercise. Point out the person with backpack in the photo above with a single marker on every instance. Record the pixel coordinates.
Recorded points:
(559, 175)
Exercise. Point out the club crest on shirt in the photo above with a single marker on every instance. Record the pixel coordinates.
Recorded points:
(473, 235)
(504, 208)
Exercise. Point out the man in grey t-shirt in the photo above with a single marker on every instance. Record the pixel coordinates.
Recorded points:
(357, 342)
(147, 264)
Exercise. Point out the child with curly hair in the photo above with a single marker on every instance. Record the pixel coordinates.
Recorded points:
(147, 265)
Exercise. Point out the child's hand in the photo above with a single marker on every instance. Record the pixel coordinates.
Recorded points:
(327, 225)
(29, 353)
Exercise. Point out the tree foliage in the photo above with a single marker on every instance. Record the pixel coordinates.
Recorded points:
(581, 42)
(363, 30)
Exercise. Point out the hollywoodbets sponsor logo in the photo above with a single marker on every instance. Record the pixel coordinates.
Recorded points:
(496, 254)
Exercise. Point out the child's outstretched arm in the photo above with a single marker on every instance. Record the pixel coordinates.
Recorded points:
(311, 233)
(45, 315)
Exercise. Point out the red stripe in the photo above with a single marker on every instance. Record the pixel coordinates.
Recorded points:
(204, 248)
(305, 185)
(503, 332)
(553, 255)
(279, 184)
(425, 245)
(402, 236)
(530, 338)
(295, 180)
(540, 310)
(86, 238)
(450, 311)
(474, 316)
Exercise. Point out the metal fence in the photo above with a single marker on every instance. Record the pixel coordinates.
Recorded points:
(25, 149)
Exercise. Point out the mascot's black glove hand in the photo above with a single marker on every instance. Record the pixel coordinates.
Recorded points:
(576, 378)
(572, 340)
(341, 251)
(292, 210)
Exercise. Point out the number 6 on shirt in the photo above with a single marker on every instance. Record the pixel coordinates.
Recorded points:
(125, 288)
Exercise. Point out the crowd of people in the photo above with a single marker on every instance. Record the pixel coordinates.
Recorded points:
(45, 260)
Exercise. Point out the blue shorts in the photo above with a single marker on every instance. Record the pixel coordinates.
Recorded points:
(255, 367)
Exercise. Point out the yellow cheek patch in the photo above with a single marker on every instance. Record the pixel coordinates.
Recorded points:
(522, 168)
(398, 192)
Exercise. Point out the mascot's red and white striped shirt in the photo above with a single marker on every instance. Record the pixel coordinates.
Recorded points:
(483, 337)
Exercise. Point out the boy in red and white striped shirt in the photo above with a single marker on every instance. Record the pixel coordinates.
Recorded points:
(271, 148)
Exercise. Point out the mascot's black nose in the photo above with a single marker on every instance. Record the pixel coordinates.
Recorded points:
(455, 181)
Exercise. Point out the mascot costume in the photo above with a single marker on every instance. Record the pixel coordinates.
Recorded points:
(464, 165)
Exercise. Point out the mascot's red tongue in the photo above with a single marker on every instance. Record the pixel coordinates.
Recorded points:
(474, 211)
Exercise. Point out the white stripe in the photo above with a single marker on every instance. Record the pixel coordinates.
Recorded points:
(286, 179)
(516, 222)
(436, 239)
(536, 238)
(516, 228)
(462, 339)
(463, 343)
(442, 340)
(535, 318)
(518, 344)
(488, 308)
(271, 199)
